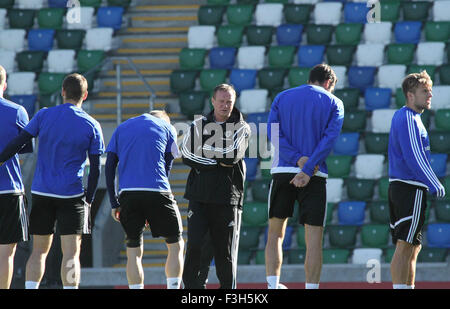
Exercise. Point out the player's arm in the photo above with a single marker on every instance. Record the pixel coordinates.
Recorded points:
(231, 154)
(21, 122)
(414, 154)
(110, 173)
(192, 152)
(279, 140)
(15, 145)
(94, 175)
(328, 140)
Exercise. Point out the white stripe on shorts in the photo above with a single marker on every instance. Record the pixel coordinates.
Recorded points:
(415, 216)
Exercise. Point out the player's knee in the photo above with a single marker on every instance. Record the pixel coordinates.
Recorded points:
(134, 243)
(174, 239)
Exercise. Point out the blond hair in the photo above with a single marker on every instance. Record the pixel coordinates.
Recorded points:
(2, 76)
(413, 80)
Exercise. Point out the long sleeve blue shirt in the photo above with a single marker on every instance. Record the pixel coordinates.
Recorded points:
(304, 121)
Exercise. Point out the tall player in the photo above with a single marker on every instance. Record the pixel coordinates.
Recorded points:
(13, 217)
(66, 134)
(410, 176)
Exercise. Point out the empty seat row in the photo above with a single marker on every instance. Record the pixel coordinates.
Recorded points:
(39, 4)
(43, 39)
(57, 18)
(330, 13)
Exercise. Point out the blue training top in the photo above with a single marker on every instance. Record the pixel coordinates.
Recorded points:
(310, 120)
(409, 152)
(13, 118)
(66, 135)
(141, 143)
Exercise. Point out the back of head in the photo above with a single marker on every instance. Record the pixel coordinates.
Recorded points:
(321, 73)
(75, 87)
(160, 114)
(413, 80)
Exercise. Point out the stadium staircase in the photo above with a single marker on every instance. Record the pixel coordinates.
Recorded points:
(153, 38)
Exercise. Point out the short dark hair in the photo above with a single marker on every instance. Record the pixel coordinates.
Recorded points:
(224, 87)
(160, 114)
(75, 86)
(321, 73)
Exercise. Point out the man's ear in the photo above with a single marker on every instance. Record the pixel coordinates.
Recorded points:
(5, 86)
(85, 96)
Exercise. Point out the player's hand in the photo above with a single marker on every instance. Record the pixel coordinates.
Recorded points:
(115, 213)
(1, 163)
(302, 161)
(300, 180)
(440, 193)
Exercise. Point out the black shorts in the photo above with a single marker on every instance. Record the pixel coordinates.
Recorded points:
(407, 205)
(159, 209)
(312, 199)
(72, 215)
(13, 219)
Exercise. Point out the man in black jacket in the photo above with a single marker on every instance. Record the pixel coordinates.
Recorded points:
(214, 148)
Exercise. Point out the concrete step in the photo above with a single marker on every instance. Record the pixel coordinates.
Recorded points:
(153, 62)
(131, 83)
(156, 40)
(169, 18)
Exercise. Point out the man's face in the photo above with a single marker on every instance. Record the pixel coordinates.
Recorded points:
(223, 102)
(421, 97)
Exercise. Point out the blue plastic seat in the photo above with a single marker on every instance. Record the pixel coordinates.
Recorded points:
(257, 118)
(356, 12)
(289, 34)
(347, 144)
(110, 17)
(252, 168)
(361, 77)
(407, 31)
(351, 212)
(41, 39)
(376, 98)
(222, 57)
(438, 162)
(287, 242)
(27, 101)
(57, 4)
(310, 55)
(242, 79)
(438, 235)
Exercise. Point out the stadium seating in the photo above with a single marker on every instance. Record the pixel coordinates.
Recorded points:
(240, 14)
(259, 35)
(271, 79)
(439, 141)
(361, 77)
(281, 56)
(360, 189)
(341, 74)
(51, 18)
(350, 97)
(80, 18)
(222, 57)
(21, 19)
(340, 54)
(351, 212)
(310, 55)
(70, 39)
(440, 100)
(252, 168)
(438, 235)
(348, 33)
(442, 210)
(201, 37)
(334, 189)
(347, 144)
(407, 31)
(182, 80)
(369, 166)
(253, 100)
(57, 3)
(210, 15)
(342, 236)
(383, 188)
(287, 242)
(251, 57)
(444, 74)
(20, 83)
(192, 103)
(379, 212)
(441, 11)
(442, 119)
(249, 237)
(430, 53)
(364, 255)
(298, 76)
(91, 3)
(12, 39)
(437, 31)
(30, 4)
(391, 76)
(192, 58)
(99, 39)
(417, 10)
(3, 13)
(289, 34)
(61, 60)
(7, 60)
(88, 59)
(400, 53)
(335, 256)
(319, 34)
(378, 33)
(375, 235)
(438, 162)
(381, 120)
(339, 165)
(110, 17)
(377, 98)
(41, 39)
(327, 13)
(376, 142)
(296, 256)
(432, 255)
(297, 13)
(354, 121)
(269, 14)
(50, 83)
(27, 101)
(243, 79)
(254, 214)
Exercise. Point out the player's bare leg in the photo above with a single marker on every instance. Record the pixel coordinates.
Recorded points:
(401, 262)
(313, 259)
(70, 265)
(412, 266)
(135, 272)
(6, 264)
(36, 263)
(274, 251)
(174, 264)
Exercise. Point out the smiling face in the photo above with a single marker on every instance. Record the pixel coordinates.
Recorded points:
(223, 102)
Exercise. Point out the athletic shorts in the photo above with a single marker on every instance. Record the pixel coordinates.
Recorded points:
(312, 199)
(159, 209)
(13, 219)
(71, 214)
(407, 205)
